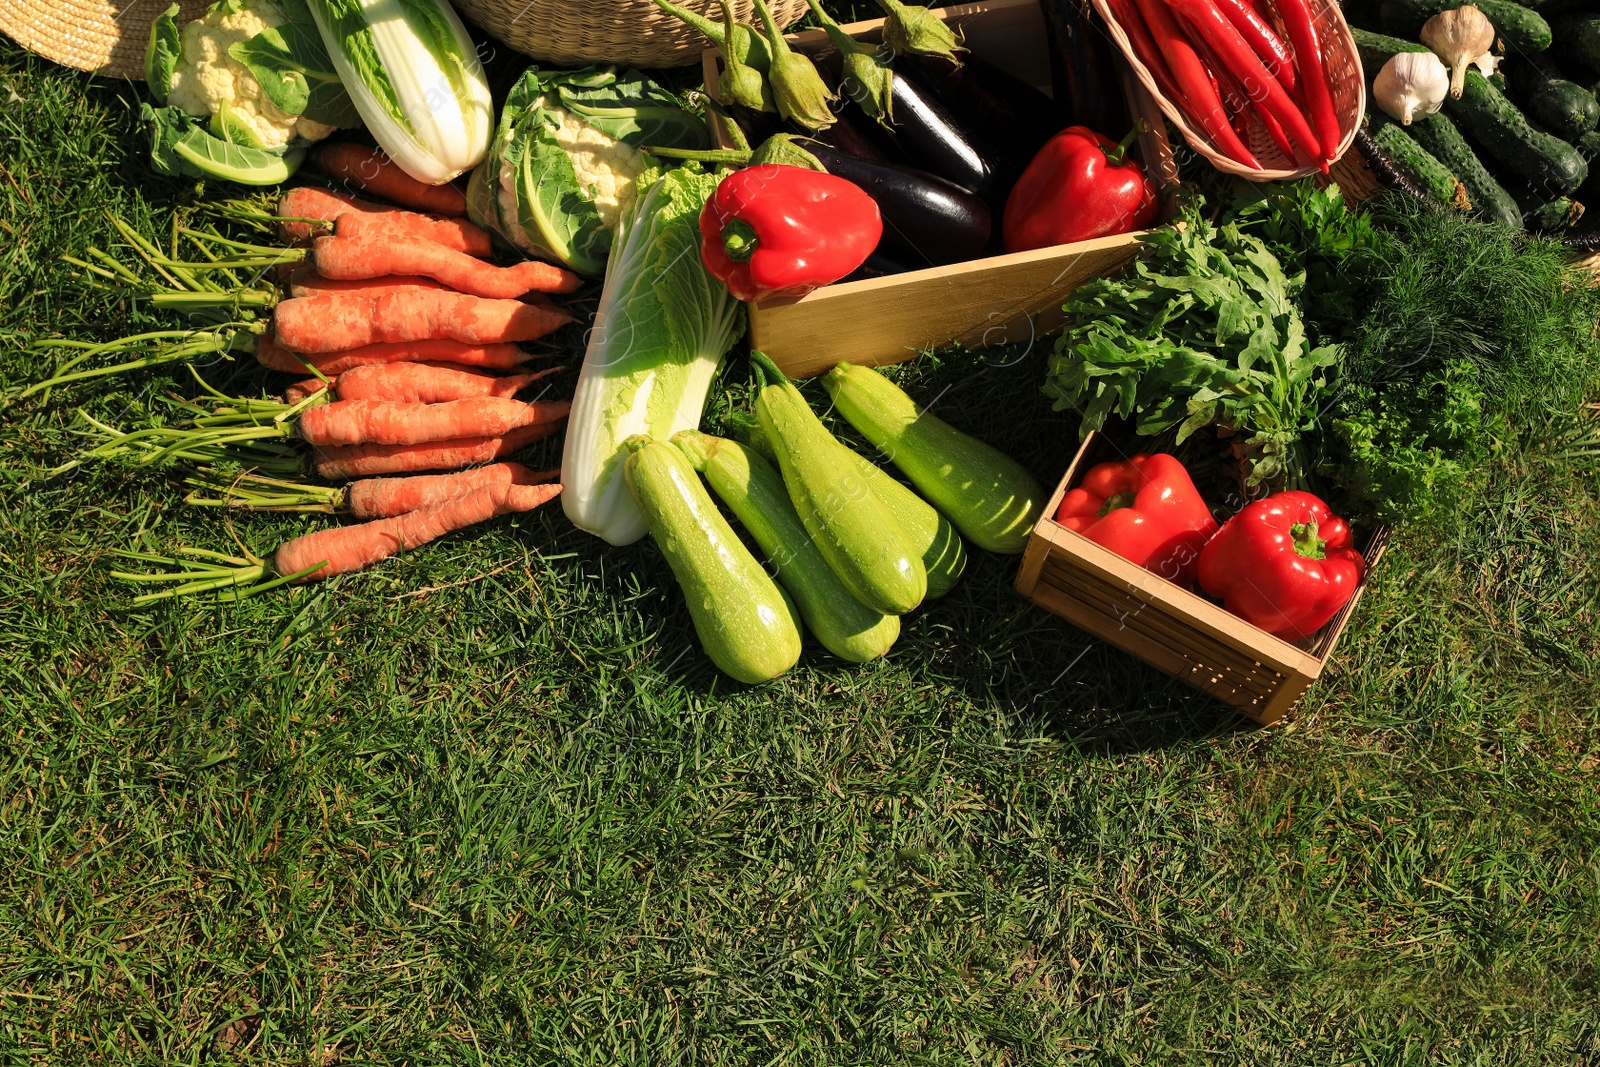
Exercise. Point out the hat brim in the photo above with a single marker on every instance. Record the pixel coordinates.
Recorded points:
(103, 36)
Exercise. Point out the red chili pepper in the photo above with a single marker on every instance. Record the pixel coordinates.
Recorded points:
(1146, 510)
(1198, 99)
(773, 230)
(1081, 185)
(1284, 564)
(1302, 29)
(1275, 55)
(1263, 88)
(1144, 46)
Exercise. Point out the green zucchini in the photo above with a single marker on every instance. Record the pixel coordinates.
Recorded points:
(857, 534)
(1546, 162)
(1490, 200)
(745, 623)
(990, 497)
(755, 493)
(1522, 30)
(944, 554)
(1416, 162)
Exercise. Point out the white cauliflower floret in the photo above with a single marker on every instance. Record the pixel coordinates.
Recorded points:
(207, 78)
(607, 169)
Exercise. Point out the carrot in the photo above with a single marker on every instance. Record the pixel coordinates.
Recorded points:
(371, 170)
(343, 462)
(335, 322)
(272, 355)
(305, 281)
(417, 383)
(382, 498)
(350, 548)
(390, 422)
(325, 205)
(363, 249)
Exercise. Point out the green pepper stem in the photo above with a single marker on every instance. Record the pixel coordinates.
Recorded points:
(1115, 502)
(1117, 155)
(739, 240)
(1306, 541)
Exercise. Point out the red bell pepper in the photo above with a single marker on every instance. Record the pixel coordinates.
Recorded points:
(1146, 510)
(774, 230)
(1283, 564)
(1081, 185)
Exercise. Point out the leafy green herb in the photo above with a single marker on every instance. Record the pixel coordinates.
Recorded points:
(1204, 331)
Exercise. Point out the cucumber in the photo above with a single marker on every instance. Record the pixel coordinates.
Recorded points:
(1522, 30)
(1566, 108)
(745, 623)
(944, 554)
(1376, 49)
(754, 492)
(1416, 162)
(1548, 163)
(1552, 216)
(1490, 200)
(856, 533)
(990, 497)
(1580, 39)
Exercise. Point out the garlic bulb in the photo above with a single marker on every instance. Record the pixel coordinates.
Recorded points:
(1487, 64)
(1459, 37)
(1411, 83)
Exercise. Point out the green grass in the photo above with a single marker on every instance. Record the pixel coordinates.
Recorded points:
(489, 803)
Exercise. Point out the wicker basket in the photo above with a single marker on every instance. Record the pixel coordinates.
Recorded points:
(1339, 60)
(630, 33)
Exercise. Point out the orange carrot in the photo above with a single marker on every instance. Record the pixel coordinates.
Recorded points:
(350, 548)
(335, 322)
(326, 205)
(274, 356)
(307, 282)
(417, 383)
(383, 498)
(389, 422)
(371, 170)
(343, 462)
(362, 250)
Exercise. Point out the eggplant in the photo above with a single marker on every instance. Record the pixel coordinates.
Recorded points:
(927, 137)
(846, 136)
(927, 221)
(1087, 89)
(1011, 117)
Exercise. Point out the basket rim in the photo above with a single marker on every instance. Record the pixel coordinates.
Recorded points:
(1341, 40)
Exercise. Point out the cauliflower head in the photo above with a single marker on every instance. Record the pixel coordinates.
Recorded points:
(608, 170)
(208, 79)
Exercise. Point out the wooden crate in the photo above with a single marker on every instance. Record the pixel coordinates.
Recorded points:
(1167, 626)
(982, 303)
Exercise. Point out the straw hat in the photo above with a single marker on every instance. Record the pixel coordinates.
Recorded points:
(104, 36)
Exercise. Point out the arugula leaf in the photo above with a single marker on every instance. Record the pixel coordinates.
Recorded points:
(1204, 331)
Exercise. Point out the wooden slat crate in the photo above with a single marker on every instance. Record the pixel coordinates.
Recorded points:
(982, 303)
(1167, 626)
